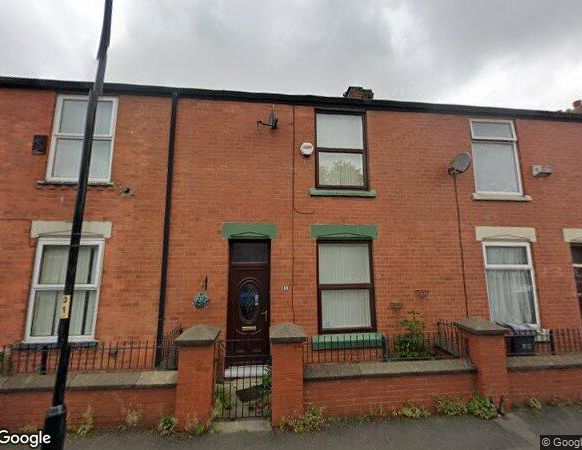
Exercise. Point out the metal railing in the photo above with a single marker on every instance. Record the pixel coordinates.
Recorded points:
(446, 343)
(543, 342)
(88, 357)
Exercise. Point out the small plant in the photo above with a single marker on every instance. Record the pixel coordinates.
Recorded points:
(559, 401)
(87, 425)
(450, 406)
(482, 407)
(311, 420)
(266, 380)
(167, 425)
(28, 429)
(412, 344)
(380, 413)
(223, 396)
(412, 411)
(194, 428)
(132, 419)
(533, 403)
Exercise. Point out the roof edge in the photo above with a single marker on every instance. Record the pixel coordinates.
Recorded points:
(291, 99)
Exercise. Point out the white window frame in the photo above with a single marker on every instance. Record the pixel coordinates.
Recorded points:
(56, 134)
(513, 140)
(96, 287)
(529, 266)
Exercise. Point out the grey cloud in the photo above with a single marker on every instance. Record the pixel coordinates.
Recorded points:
(523, 53)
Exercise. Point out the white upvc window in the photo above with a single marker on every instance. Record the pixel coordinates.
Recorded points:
(346, 289)
(67, 139)
(48, 283)
(510, 281)
(495, 157)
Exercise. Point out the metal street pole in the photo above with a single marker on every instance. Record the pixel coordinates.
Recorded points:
(55, 419)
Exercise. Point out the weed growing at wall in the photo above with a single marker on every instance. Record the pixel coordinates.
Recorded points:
(482, 407)
(450, 406)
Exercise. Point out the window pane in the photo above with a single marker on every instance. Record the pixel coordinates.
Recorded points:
(44, 313)
(73, 116)
(344, 263)
(100, 155)
(74, 112)
(250, 252)
(495, 167)
(341, 169)
(340, 131)
(577, 254)
(345, 308)
(53, 269)
(68, 159)
(506, 255)
(82, 300)
(511, 296)
(492, 130)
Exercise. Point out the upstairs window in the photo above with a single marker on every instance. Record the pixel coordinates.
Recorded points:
(48, 285)
(67, 139)
(346, 291)
(510, 283)
(341, 151)
(495, 157)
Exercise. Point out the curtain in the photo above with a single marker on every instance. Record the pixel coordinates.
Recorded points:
(68, 158)
(53, 268)
(341, 169)
(344, 263)
(348, 308)
(506, 255)
(511, 296)
(495, 167)
(73, 117)
(340, 131)
(492, 130)
(45, 317)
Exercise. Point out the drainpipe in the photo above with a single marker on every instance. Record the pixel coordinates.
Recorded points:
(167, 223)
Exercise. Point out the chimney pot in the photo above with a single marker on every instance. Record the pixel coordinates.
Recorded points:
(577, 105)
(359, 92)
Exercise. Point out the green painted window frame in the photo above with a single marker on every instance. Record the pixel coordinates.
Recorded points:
(321, 232)
(249, 230)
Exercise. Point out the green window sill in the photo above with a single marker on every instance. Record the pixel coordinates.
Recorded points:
(346, 340)
(314, 192)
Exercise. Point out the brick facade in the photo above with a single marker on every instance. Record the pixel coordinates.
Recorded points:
(229, 170)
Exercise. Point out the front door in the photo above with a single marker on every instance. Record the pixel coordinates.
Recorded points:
(248, 300)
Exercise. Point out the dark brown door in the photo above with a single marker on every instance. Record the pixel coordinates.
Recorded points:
(248, 300)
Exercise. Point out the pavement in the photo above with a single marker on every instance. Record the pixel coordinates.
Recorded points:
(517, 430)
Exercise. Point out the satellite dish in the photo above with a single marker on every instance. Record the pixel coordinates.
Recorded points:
(459, 163)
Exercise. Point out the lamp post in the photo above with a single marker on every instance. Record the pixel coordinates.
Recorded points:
(55, 419)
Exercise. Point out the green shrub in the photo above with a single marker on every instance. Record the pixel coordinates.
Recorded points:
(450, 406)
(482, 407)
(533, 403)
(266, 381)
(412, 344)
(167, 425)
(224, 396)
(88, 423)
(311, 420)
(194, 428)
(412, 411)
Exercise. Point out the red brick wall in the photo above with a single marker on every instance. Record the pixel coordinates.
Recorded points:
(564, 384)
(365, 395)
(228, 170)
(109, 407)
(131, 270)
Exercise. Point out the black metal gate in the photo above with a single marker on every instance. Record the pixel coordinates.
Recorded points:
(243, 384)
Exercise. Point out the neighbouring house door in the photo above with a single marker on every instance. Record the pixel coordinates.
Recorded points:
(248, 300)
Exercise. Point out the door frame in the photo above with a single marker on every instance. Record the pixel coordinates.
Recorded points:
(231, 310)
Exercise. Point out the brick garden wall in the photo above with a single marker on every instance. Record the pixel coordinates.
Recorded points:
(355, 397)
(563, 384)
(20, 409)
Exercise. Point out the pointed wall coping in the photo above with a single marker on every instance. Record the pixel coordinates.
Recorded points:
(287, 333)
(198, 336)
(480, 327)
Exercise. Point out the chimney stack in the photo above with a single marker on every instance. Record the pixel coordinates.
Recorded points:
(577, 106)
(359, 92)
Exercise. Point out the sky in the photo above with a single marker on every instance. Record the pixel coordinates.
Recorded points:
(512, 53)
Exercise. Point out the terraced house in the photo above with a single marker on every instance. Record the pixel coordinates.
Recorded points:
(246, 210)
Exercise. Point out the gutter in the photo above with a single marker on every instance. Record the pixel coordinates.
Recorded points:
(167, 224)
(287, 99)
